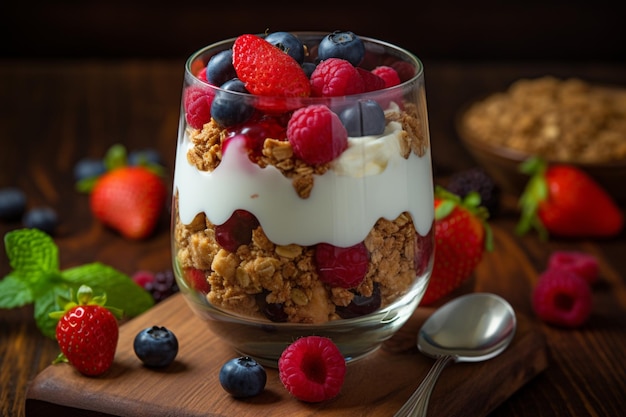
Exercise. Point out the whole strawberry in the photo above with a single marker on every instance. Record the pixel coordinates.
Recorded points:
(87, 333)
(266, 70)
(462, 234)
(130, 200)
(564, 200)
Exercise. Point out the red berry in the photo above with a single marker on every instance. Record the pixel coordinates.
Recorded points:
(144, 279)
(336, 77)
(582, 264)
(388, 74)
(236, 231)
(342, 267)
(405, 70)
(202, 74)
(197, 280)
(316, 134)
(562, 298)
(371, 81)
(256, 131)
(312, 369)
(197, 104)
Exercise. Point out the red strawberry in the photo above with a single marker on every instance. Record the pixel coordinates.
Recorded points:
(461, 237)
(267, 70)
(87, 333)
(563, 200)
(130, 200)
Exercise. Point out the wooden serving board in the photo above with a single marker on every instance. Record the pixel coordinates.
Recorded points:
(376, 385)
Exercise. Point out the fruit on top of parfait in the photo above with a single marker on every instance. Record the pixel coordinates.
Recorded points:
(87, 332)
(243, 377)
(312, 369)
(336, 77)
(388, 74)
(156, 346)
(462, 235)
(220, 68)
(563, 200)
(288, 43)
(267, 70)
(342, 44)
(364, 118)
(316, 134)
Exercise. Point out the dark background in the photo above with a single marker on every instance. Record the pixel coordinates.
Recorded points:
(434, 30)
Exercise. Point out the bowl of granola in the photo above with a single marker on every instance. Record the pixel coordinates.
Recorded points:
(302, 201)
(560, 120)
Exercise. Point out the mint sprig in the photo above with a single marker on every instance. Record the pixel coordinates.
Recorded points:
(36, 279)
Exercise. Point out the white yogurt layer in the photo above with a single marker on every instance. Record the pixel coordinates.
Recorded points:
(368, 181)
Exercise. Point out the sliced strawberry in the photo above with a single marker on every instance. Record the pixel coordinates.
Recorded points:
(267, 70)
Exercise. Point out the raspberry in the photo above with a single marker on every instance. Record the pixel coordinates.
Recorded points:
(197, 103)
(316, 134)
(388, 74)
(312, 369)
(562, 298)
(336, 77)
(236, 231)
(580, 263)
(202, 74)
(342, 267)
(405, 70)
(371, 82)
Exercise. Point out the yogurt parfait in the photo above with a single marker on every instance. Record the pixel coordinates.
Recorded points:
(303, 190)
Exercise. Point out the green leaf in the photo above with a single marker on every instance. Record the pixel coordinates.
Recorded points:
(31, 252)
(14, 292)
(115, 157)
(121, 291)
(45, 304)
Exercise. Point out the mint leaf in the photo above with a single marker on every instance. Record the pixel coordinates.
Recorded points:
(31, 252)
(44, 305)
(121, 291)
(14, 292)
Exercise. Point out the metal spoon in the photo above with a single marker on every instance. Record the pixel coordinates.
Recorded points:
(471, 328)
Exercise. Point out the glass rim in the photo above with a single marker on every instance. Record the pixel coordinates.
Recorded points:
(227, 43)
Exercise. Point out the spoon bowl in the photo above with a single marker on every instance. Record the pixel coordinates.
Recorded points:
(471, 328)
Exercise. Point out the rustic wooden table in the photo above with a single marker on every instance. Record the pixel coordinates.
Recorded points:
(52, 114)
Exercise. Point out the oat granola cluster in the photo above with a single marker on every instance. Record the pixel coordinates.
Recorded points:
(263, 273)
(566, 120)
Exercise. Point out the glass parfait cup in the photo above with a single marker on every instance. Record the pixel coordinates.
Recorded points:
(268, 247)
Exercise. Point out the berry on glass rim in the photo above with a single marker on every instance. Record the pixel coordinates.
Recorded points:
(197, 102)
(388, 74)
(345, 45)
(312, 369)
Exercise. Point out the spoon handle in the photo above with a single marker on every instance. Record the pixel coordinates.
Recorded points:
(417, 404)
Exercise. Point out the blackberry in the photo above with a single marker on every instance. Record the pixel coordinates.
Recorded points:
(160, 284)
(477, 179)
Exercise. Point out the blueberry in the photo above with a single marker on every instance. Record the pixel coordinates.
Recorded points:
(42, 218)
(156, 346)
(344, 45)
(89, 168)
(147, 156)
(308, 68)
(289, 43)
(231, 109)
(364, 118)
(243, 377)
(12, 203)
(220, 68)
